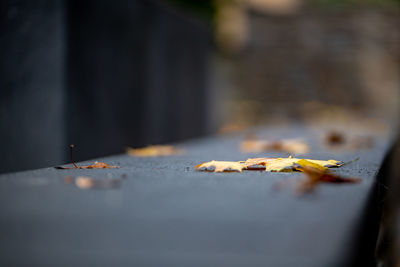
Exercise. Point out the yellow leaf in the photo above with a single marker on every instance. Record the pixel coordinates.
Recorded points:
(305, 163)
(154, 151)
(221, 166)
(327, 163)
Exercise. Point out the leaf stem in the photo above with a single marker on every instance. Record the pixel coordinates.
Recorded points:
(349, 162)
(71, 146)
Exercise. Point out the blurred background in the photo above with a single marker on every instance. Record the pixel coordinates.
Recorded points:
(105, 75)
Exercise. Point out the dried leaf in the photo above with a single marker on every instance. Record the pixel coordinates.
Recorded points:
(154, 151)
(327, 177)
(314, 176)
(268, 164)
(305, 163)
(221, 166)
(335, 138)
(339, 140)
(293, 146)
(256, 163)
(288, 164)
(272, 164)
(99, 165)
(96, 165)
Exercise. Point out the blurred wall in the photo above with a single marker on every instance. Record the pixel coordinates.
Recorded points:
(32, 71)
(137, 75)
(100, 74)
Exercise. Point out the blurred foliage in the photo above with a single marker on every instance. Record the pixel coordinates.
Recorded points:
(204, 9)
(344, 4)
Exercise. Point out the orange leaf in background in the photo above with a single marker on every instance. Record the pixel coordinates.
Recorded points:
(96, 165)
(327, 177)
(292, 146)
(154, 151)
(335, 138)
(341, 140)
(315, 176)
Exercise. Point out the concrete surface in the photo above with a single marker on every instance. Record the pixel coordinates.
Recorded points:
(165, 213)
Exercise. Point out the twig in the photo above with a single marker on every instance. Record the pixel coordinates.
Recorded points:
(71, 146)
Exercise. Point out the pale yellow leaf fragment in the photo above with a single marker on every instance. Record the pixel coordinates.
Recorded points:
(295, 146)
(247, 146)
(279, 164)
(221, 166)
(256, 163)
(154, 151)
(84, 182)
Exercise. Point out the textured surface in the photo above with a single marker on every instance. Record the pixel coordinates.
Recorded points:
(167, 214)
